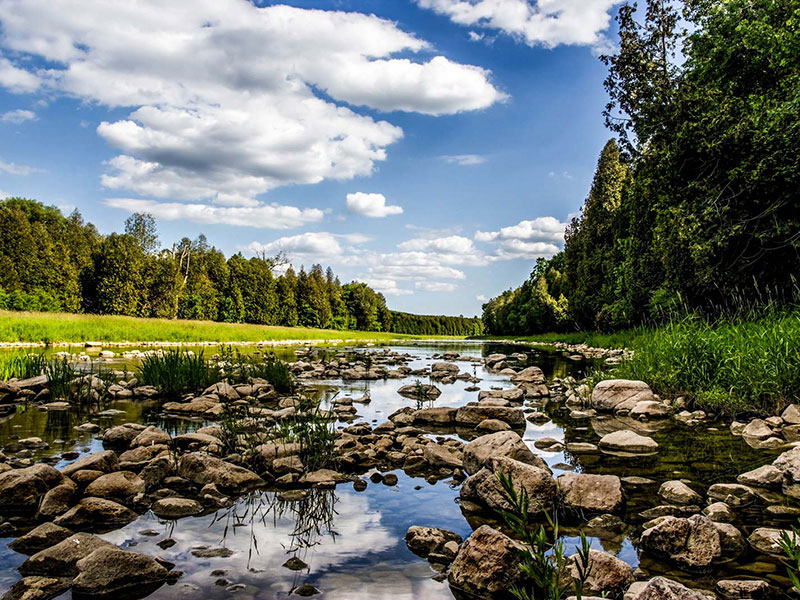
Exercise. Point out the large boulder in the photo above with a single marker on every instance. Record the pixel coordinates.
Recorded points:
(58, 500)
(487, 563)
(607, 574)
(121, 436)
(788, 463)
(437, 415)
(677, 492)
(767, 476)
(223, 390)
(105, 461)
(484, 487)
(753, 589)
(438, 455)
(661, 588)
(767, 540)
(151, 436)
(176, 508)
(473, 414)
(110, 570)
(21, 490)
(36, 587)
(120, 486)
(591, 493)
(529, 375)
(39, 538)
(422, 541)
(61, 560)
(203, 469)
(619, 394)
(733, 494)
(95, 514)
(691, 543)
(501, 444)
(628, 442)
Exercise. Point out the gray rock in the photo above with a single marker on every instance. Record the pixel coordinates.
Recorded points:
(752, 589)
(768, 476)
(628, 442)
(93, 514)
(487, 563)
(501, 444)
(733, 494)
(767, 540)
(38, 588)
(610, 394)
(61, 560)
(485, 488)
(109, 570)
(691, 543)
(591, 493)
(39, 538)
(422, 541)
(661, 588)
(105, 461)
(203, 469)
(677, 492)
(176, 508)
(119, 486)
(22, 489)
(473, 414)
(607, 574)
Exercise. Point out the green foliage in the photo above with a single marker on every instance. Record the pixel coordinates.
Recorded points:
(239, 367)
(21, 366)
(177, 371)
(436, 325)
(791, 548)
(750, 360)
(78, 387)
(543, 563)
(695, 206)
(51, 263)
(313, 429)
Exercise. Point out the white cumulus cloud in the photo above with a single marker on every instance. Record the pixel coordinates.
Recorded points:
(17, 116)
(224, 95)
(547, 23)
(371, 205)
(15, 169)
(540, 229)
(435, 286)
(266, 216)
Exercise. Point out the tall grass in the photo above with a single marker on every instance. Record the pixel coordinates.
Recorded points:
(21, 366)
(79, 388)
(239, 367)
(177, 371)
(749, 361)
(65, 327)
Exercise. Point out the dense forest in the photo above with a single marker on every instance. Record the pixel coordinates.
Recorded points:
(49, 262)
(696, 202)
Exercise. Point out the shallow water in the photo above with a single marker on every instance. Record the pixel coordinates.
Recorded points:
(353, 541)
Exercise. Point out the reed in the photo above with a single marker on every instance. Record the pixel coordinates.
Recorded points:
(178, 371)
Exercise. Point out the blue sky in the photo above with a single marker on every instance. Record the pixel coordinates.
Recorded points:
(433, 148)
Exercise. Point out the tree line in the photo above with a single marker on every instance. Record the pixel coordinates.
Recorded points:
(696, 202)
(51, 262)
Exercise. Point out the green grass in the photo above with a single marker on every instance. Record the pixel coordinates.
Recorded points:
(65, 327)
(746, 362)
(176, 371)
(618, 339)
(239, 367)
(21, 366)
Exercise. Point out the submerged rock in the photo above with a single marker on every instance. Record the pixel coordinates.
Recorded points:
(38, 588)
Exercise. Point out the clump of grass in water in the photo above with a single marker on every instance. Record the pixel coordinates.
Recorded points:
(242, 368)
(22, 366)
(790, 545)
(313, 429)
(176, 371)
(77, 387)
(545, 571)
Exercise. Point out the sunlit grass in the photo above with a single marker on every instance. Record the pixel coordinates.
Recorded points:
(65, 327)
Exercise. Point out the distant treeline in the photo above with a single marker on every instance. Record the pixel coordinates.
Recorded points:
(49, 262)
(696, 204)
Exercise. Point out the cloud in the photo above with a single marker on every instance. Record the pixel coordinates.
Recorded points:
(15, 169)
(18, 116)
(371, 205)
(453, 249)
(229, 100)
(514, 249)
(547, 23)
(540, 229)
(15, 79)
(435, 286)
(387, 287)
(464, 160)
(4, 195)
(481, 298)
(268, 216)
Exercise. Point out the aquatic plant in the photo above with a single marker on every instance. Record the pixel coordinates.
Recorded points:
(313, 429)
(21, 366)
(176, 371)
(543, 562)
(78, 387)
(239, 367)
(790, 545)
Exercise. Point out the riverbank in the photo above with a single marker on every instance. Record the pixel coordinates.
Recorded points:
(749, 362)
(34, 329)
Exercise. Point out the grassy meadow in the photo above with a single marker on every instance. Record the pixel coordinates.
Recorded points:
(64, 327)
